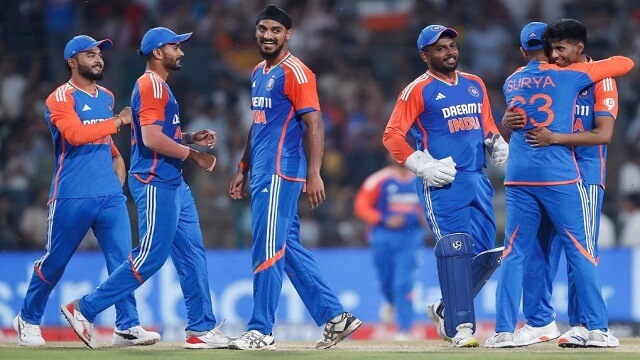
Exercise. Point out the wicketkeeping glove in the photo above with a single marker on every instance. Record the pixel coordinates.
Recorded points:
(498, 148)
(435, 172)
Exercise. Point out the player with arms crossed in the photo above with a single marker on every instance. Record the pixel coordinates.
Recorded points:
(86, 191)
(449, 115)
(167, 215)
(595, 113)
(388, 203)
(284, 103)
(545, 181)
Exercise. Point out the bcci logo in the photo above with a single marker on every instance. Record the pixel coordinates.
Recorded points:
(584, 93)
(457, 245)
(473, 91)
(270, 84)
(499, 260)
(437, 28)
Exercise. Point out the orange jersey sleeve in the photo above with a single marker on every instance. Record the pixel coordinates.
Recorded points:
(606, 98)
(153, 99)
(300, 85)
(488, 123)
(364, 205)
(409, 106)
(65, 118)
(598, 70)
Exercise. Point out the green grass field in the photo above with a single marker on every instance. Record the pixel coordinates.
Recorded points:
(352, 350)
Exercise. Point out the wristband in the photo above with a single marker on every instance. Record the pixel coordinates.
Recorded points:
(243, 165)
(121, 122)
(187, 138)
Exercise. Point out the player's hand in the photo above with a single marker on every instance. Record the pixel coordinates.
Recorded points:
(125, 116)
(498, 148)
(435, 172)
(205, 161)
(540, 136)
(315, 190)
(438, 173)
(236, 187)
(205, 137)
(514, 118)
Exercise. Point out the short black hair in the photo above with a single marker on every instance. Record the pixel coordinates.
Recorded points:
(566, 29)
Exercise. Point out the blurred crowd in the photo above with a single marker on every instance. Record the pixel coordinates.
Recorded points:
(363, 53)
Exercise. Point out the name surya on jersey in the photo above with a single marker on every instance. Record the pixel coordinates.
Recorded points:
(465, 122)
(537, 82)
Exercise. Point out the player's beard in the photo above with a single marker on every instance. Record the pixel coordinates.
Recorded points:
(173, 64)
(443, 68)
(273, 54)
(87, 73)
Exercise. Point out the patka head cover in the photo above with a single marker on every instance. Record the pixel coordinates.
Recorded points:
(274, 13)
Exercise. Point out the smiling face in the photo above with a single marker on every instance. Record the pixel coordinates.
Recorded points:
(565, 52)
(89, 64)
(272, 38)
(442, 56)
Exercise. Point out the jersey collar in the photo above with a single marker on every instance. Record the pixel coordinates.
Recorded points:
(285, 57)
(455, 82)
(95, 94)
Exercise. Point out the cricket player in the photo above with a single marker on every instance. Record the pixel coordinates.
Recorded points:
(285, 102)
(449, 115)
(86, 191)
(388, 203)
(595, 113)
(546, 180)
(167, 215)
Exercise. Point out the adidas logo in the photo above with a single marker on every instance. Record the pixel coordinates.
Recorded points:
(440, 96)
(86, 107)
(265, 190)
(254, 84)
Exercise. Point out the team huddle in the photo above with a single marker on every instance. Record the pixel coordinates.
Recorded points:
(441, 129)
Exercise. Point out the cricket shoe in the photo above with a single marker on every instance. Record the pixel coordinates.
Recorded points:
(599, 338)
(528, 335)
(212, 339)
(576, 337)
(438, 320)
(81, 326)
(337, 329)
(28, 334)
(500, 340)
(134, 336)
(464, 336)
(253, 340)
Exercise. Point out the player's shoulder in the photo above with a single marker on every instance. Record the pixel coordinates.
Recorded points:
(294, 66)
(469, 76)
(260, 65)
(416, 85)
(62, 93)
(150, 83)
(105, 90)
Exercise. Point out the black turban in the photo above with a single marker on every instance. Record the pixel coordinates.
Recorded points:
(274, 13)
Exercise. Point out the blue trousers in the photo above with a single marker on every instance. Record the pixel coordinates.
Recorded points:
(525, 208)
(169, 226)
(68, 223)
(537, 290)
(277, 250)
(395, 255)
(464, 206)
